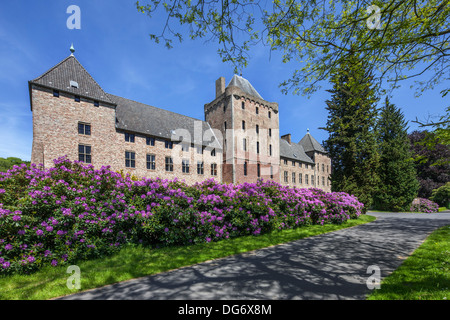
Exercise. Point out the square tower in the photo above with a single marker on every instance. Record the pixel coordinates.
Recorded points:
(250, 131)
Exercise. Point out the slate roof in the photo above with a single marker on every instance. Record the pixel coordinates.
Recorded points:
(148, 120)
(310, 144)
(293, 151)
(70, 69)
(244, 85)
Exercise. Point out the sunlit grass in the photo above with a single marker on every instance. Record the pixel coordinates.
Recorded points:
(137, 261)
(425, 275)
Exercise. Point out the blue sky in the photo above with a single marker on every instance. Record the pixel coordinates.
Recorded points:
(114, 46)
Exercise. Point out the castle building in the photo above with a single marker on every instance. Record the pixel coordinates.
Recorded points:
(237, 142)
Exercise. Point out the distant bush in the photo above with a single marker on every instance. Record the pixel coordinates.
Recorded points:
(70, 212)
(441, 195)
(8, 163)
(424, 205)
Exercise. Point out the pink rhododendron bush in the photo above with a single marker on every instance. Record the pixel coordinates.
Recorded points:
(70, 212)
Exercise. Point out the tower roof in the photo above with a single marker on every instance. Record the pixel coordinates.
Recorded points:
(70, 76)
(244, 85)
(310, 144)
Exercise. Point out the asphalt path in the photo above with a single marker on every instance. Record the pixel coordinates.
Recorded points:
(340, 265)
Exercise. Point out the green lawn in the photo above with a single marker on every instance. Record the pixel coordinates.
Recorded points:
(137, 261)
(425, 275)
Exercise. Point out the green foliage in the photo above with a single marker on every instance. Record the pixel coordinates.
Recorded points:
(352, 143)
(8, 163)
(441, 195)
(398, 185)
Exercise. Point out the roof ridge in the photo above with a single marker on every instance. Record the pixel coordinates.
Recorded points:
(148, 105)
(90, 76)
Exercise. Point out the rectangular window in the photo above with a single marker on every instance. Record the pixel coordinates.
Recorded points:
(258, 169)
(214, 169)
(293, 177)
(150, 141)
(169, 164)
(257, 129)
(130, 159)
(257, 146)
(84, 128)
(300, 164)
(300, 180)
(270, 114)
(312, 179)
(243, 125)
(213, 152)
(270, 149)
(270, 132)
(199, 167)
(185, 166)
(306, 179)
(129, 137)
(293, 163)
(96, 103)
(245, 168)
(151, 163)
(77, 99)
(271, 172)
(244, 144)
(169, 144)
(285, 176)
(323, 181)
(306, 166)
(243, 105)
(56, 93)
(257, 110)
(285, 161)
(225, 125)
(84, 153)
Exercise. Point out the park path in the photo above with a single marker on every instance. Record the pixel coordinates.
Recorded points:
(330, 266)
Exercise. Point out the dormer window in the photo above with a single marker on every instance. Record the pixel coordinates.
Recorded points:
(73, 84)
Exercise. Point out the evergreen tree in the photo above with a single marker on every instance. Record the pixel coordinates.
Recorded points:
(399, 185)
(352, 144)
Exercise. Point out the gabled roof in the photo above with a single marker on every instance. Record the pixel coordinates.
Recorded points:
(310, 144)
(148, 120)
(70, 69)
(293, 151)
(244, 85)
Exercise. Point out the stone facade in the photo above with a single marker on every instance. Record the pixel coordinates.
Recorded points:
(246, 127)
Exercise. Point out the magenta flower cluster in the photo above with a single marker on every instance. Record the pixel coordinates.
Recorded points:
(424, 205)
(72, 211)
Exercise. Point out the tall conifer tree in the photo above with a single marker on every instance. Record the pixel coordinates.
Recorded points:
(399, 185)
(351, 120)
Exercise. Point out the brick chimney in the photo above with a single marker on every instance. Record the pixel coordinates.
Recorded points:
(220, 86)
(287, 137)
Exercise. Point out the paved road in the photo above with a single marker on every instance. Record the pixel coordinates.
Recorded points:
(330, 266)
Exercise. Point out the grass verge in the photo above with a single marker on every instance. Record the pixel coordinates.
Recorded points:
(138, 261)
(425, 275)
